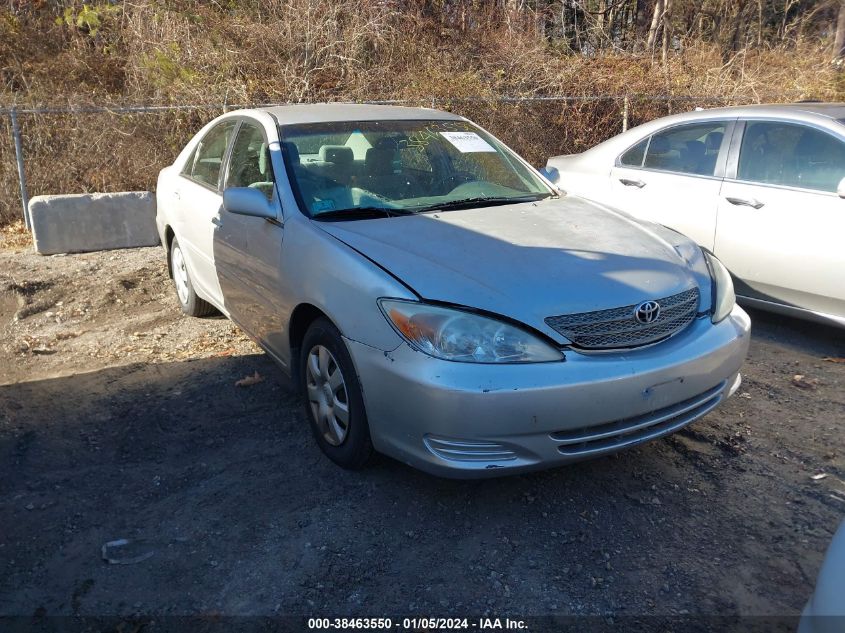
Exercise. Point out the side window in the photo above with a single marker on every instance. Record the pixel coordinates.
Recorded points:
(791, 155)
(634, 156)
(204, 164)
(687, 149)
(250, 165)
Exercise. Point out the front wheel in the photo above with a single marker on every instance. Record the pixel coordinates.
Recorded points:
(334, 404)
(191, 303)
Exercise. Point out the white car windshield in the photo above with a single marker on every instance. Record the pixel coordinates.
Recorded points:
(358, 169)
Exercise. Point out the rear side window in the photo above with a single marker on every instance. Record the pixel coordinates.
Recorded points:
(686, 149)
(791, 155)
(634, 156)
(204, 164)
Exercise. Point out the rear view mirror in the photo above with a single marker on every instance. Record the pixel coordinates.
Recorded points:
(248, 201)
(840, 188)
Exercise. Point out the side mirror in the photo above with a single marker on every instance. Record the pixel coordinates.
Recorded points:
(248, 201)
(551, 174)
(840, 188)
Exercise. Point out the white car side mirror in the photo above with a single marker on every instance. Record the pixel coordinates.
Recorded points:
(840, 188)
(552, 174)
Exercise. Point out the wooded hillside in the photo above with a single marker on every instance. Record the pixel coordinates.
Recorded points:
(665, 54)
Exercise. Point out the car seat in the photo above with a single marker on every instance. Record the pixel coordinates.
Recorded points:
(659, 155)
(693, 157)
(383, 172)
(339, 162)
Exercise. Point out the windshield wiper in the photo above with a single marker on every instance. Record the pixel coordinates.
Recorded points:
(481, 201)
(360, 213)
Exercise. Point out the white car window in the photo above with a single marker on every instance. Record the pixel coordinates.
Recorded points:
(634, 156)
(687, 149)
(791, 155)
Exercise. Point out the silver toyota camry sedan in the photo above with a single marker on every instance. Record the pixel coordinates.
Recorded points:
(435, 298)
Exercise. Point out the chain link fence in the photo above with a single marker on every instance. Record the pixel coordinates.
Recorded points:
(122, 148)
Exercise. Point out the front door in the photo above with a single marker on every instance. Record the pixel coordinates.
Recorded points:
(781, 222)
(249, 249)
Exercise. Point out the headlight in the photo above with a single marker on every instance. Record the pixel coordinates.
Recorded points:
(723, 288)
(463, 336)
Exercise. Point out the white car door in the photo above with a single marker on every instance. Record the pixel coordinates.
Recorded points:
(199, 203)
(673, 178)
(781, 226)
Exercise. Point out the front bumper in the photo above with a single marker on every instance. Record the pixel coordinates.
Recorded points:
(474, 420)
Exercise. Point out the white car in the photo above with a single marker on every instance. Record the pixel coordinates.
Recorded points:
(759, 186)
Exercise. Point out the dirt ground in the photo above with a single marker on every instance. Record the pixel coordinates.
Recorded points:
(120, 419)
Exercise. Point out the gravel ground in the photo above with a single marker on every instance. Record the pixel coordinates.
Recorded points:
(120, 419)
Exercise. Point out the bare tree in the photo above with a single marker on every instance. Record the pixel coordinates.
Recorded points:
(839, 39)
(667, 29)
(657, 18)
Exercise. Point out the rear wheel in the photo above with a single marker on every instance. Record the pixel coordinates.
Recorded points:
(334, 404)
(191, 303)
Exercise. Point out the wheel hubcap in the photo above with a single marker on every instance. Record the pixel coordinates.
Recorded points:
(180, 275)
(327, 395)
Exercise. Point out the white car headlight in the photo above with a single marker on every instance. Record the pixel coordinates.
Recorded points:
(462, 336)
(724, 298)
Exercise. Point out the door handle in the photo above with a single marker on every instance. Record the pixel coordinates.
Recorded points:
(639, 184)
(216, 221)
(743, 202)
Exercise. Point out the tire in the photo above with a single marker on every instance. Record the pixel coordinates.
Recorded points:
(335, 408)
(191, 303)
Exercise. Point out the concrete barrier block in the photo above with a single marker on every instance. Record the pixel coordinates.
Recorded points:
(93, 221)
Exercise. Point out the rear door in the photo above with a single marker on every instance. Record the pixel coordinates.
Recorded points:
(781, 227)
(673, 177)
(200, 203)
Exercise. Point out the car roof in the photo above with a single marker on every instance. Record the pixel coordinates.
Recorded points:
(831, 110)
(825, 113)
(327, 112)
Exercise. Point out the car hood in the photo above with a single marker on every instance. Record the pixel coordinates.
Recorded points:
(532, 260)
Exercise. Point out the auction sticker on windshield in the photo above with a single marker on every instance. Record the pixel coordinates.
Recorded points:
(467, 142)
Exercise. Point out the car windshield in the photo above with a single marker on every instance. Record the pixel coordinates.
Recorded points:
(362, 169)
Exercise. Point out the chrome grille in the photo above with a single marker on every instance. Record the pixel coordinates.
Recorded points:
(618, 327)
(613, 436)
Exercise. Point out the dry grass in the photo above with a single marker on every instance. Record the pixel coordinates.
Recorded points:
(186, 51)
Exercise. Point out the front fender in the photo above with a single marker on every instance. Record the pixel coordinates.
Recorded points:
(340, 282)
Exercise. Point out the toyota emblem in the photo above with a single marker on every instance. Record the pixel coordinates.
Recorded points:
(647, 312)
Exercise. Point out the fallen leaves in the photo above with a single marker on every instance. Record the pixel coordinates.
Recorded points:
(248, 381)
(15, 237)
